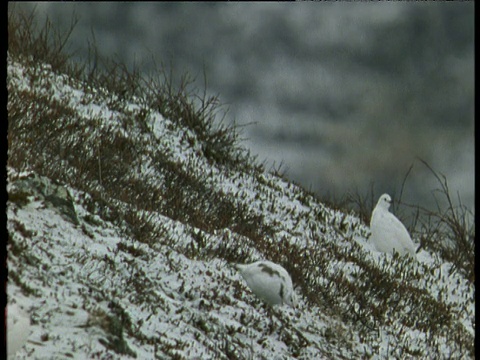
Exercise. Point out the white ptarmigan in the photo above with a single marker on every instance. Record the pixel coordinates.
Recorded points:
(388, 233)
(269, 281)
(18, 329)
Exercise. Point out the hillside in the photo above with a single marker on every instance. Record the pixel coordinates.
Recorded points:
(128, 199)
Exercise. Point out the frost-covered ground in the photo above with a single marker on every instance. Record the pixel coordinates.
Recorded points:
(323, 94)
(106, 270)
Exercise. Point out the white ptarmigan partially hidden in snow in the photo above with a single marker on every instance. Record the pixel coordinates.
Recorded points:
(18, 329)
(269, 281)
(388, 233)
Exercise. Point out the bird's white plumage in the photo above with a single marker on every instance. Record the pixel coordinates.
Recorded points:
(388, 233)
(269, 281)
(18, 329)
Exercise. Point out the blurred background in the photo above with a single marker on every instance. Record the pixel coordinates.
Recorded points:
(343, 97)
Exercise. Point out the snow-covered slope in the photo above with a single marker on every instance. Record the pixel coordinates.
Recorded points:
(123, 217)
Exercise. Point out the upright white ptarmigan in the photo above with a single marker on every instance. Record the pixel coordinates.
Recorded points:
(269, 281)
(18, 329)
(388, 233)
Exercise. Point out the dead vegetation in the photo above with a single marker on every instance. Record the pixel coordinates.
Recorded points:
(108, 161)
